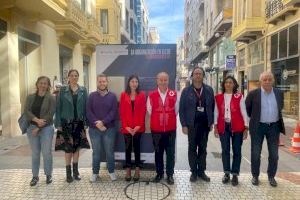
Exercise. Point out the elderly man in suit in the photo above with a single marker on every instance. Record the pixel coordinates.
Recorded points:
(264, 107)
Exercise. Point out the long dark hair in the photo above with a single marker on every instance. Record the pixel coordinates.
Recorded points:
(235, 83)
(41, 78)
(128, 89)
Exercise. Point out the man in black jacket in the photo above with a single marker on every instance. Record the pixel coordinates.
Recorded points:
(264, 107)
(196, 116)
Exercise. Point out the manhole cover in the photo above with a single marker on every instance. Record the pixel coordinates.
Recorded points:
(147, 190)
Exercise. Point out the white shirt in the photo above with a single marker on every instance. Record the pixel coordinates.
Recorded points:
(227, 100)
(163, 98)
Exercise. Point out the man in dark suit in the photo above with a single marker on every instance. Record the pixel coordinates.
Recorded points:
(196, 112)
(264, 107)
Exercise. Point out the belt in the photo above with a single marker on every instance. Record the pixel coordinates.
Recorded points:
(268, 123)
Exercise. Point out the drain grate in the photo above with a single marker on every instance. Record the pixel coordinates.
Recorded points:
(147, 190)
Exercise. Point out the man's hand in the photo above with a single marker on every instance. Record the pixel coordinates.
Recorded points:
(185, 130)
(59, 129)
(216, 131)
(99, 124)
(103, 128)
(40, 122)
(245, 134)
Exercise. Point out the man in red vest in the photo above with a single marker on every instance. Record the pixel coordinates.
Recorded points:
(162, 107)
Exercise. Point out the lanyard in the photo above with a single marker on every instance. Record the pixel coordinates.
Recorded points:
(199, 95)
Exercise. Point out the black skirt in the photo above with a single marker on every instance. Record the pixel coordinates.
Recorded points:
(72, 137)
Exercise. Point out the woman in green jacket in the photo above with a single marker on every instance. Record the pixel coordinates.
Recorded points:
(70, 121)
(39, 110)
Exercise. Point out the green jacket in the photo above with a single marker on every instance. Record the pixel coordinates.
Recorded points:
(47, 109)
(65, 108)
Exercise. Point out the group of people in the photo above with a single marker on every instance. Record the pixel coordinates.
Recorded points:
(199, 112)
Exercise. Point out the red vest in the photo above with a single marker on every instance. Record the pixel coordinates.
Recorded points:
(237, 121)
(163, 116)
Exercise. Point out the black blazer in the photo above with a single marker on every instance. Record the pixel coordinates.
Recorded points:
(253, 107)
(188, 102)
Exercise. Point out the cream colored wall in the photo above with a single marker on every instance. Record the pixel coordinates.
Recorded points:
(92, 73)
(9, 79)
(78, 61)
(49, 51)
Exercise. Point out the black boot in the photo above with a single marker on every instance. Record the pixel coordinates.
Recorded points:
(76, 172)
(69, 178)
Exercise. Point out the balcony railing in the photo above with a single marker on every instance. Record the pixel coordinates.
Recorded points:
(273, 7)
(75, 14)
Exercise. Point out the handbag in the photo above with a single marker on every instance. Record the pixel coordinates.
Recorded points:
(23, 123)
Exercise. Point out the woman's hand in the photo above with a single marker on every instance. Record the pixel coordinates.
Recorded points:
(130, 130)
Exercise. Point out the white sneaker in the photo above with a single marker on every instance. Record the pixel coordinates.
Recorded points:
(94, 178)
(113, 176)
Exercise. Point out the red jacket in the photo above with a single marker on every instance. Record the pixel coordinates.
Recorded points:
(129, 118)
(237, 121)
(163, 116)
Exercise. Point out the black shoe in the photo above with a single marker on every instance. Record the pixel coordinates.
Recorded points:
(69, 178)
(76, 174)
(193, 178)
(235, 180)
(34, 181)
(48, 179)
(255, 181)
(204, 177)
(226, 178)
(158, 178)
(273, 182)
(170, 180)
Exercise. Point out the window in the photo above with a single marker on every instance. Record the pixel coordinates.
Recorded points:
(131, 28)
(83, 5)
(256, 53)
(127, 20)
(131, 4)
(241, 61)
(283, 44)
(104, 20)
(293, 40)
(274, 47)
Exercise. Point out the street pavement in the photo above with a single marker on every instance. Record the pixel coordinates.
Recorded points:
(15, 174)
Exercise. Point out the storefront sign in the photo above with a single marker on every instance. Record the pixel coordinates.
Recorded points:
(230, 62)
(286, 73)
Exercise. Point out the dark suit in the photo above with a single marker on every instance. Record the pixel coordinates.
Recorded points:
(259, 130)
(198, 129)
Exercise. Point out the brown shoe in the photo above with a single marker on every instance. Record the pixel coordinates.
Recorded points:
(136, 176)
(128, 174)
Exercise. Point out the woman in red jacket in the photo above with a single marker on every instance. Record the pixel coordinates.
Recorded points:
(231, 123)
(132, 115)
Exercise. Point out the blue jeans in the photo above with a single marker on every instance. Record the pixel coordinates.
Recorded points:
(42, 142)
(100, 140)
(237, 141)
(272, 134)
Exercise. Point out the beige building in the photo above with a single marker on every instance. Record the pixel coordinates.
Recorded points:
(153, 36)
(48, 37)
(267, 32)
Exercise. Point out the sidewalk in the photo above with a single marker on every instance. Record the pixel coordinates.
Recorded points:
(15, 185)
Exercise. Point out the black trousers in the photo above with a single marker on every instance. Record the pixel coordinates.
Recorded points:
(197, 139)
(272, 134)
(133, 142)
(162, 142)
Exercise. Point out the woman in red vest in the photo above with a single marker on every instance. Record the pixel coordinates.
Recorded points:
(132, 115)
(231, 123)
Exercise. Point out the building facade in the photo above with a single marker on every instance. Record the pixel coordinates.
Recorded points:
(153, 37)
(182, 68)
(142, 21)
(267, 34)
(128, 21)
(48, 38)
